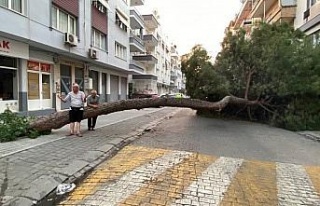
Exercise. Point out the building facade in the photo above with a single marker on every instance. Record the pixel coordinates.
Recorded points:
(176, 83)
(269, 11)
(151, 56)
(308, 18)
(46, 45)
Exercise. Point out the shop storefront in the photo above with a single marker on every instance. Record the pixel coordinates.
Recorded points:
(39, 85)
(12, 90)
(70, 72)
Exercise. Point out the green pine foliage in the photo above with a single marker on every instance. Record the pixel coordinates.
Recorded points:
(277, 65)
(13, 126)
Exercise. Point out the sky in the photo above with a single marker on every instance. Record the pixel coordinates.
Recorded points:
(191, 22)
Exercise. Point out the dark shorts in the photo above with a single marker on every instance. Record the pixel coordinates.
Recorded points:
(75, 114)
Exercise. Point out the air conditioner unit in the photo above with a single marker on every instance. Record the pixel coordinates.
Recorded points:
(93, 54)
(71, 39)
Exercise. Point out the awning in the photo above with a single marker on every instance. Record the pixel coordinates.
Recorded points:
(104, 3)
(123, 18)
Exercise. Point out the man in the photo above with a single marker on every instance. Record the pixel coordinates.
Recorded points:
(77, 99)
(93, 102)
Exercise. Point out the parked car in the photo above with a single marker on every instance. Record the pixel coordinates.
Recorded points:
(143, 96)
(174, 95)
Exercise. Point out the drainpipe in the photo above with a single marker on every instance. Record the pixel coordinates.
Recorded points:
(264, 10)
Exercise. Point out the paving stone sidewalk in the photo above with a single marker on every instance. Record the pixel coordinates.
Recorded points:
(28, 176)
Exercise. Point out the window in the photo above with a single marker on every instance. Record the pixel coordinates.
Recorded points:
(98, 39)
(316, 38)
(8, 79)
(63, 21)
(15, 5)
(310, 3)
(38, 81)
(121, 51)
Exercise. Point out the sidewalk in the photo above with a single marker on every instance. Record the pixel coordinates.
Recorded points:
(31, 169)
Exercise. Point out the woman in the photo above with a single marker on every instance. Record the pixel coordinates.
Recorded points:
(93, 102)
(77, 99)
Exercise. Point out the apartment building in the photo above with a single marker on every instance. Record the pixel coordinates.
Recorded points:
(150, 55)
(46, 45)
(176, 80)
(308, 18)
(269, 11)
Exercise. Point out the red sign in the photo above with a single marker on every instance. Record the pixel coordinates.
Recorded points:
(37, 65)
(5, 44)
(45, 67)
(33, 65)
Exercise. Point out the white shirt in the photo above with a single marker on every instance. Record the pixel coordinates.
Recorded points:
(76, 100)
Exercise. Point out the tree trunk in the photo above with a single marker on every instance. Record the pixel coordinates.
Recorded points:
(246, 94)
(59, 119)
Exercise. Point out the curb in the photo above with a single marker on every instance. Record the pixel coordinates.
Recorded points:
(109, 150)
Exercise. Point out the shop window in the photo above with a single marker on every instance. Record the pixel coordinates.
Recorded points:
(98, 39)
(8, 84)
(95, 79)
(39, 86)
(33, 86)
(15, 5)
(46, 94)
(63, 21)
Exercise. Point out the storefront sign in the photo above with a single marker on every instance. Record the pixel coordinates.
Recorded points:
(37, 65)
(12, 48)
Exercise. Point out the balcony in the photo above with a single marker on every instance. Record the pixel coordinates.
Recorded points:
(146, 58)
(261, 7)
(136, 20)
(150, 21)
(150, 40)
(286, 14)
(136, 44)
(136, 67)
(136, 2)
(173, 75)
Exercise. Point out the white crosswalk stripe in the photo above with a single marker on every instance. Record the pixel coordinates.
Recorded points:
(294, 186)
(212, 184)
(114, 193)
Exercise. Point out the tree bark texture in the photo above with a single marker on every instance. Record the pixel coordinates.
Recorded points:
(59, 119)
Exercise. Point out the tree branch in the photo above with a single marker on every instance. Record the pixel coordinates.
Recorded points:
(59, 119)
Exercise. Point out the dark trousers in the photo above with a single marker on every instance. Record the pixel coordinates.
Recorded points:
(92, 122)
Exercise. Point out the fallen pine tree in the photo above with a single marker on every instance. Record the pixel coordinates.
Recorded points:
(59, 119)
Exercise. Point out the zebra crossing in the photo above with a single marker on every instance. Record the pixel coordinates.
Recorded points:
(149, 176)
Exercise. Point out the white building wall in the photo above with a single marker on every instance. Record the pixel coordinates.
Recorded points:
(115, 34)
(301, 8)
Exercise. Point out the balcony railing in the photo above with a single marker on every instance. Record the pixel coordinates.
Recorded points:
(137, 66)
(148, 58)
(137, 21)
(150, 40)
(136, 2)
(136, 44)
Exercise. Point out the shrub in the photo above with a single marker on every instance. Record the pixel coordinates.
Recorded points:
(13, 126)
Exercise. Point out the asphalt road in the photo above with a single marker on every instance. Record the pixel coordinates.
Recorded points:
(188, 132)
(195, 161)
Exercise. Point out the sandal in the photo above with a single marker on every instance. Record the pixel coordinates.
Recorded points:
(70, 134)
(79, 135)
